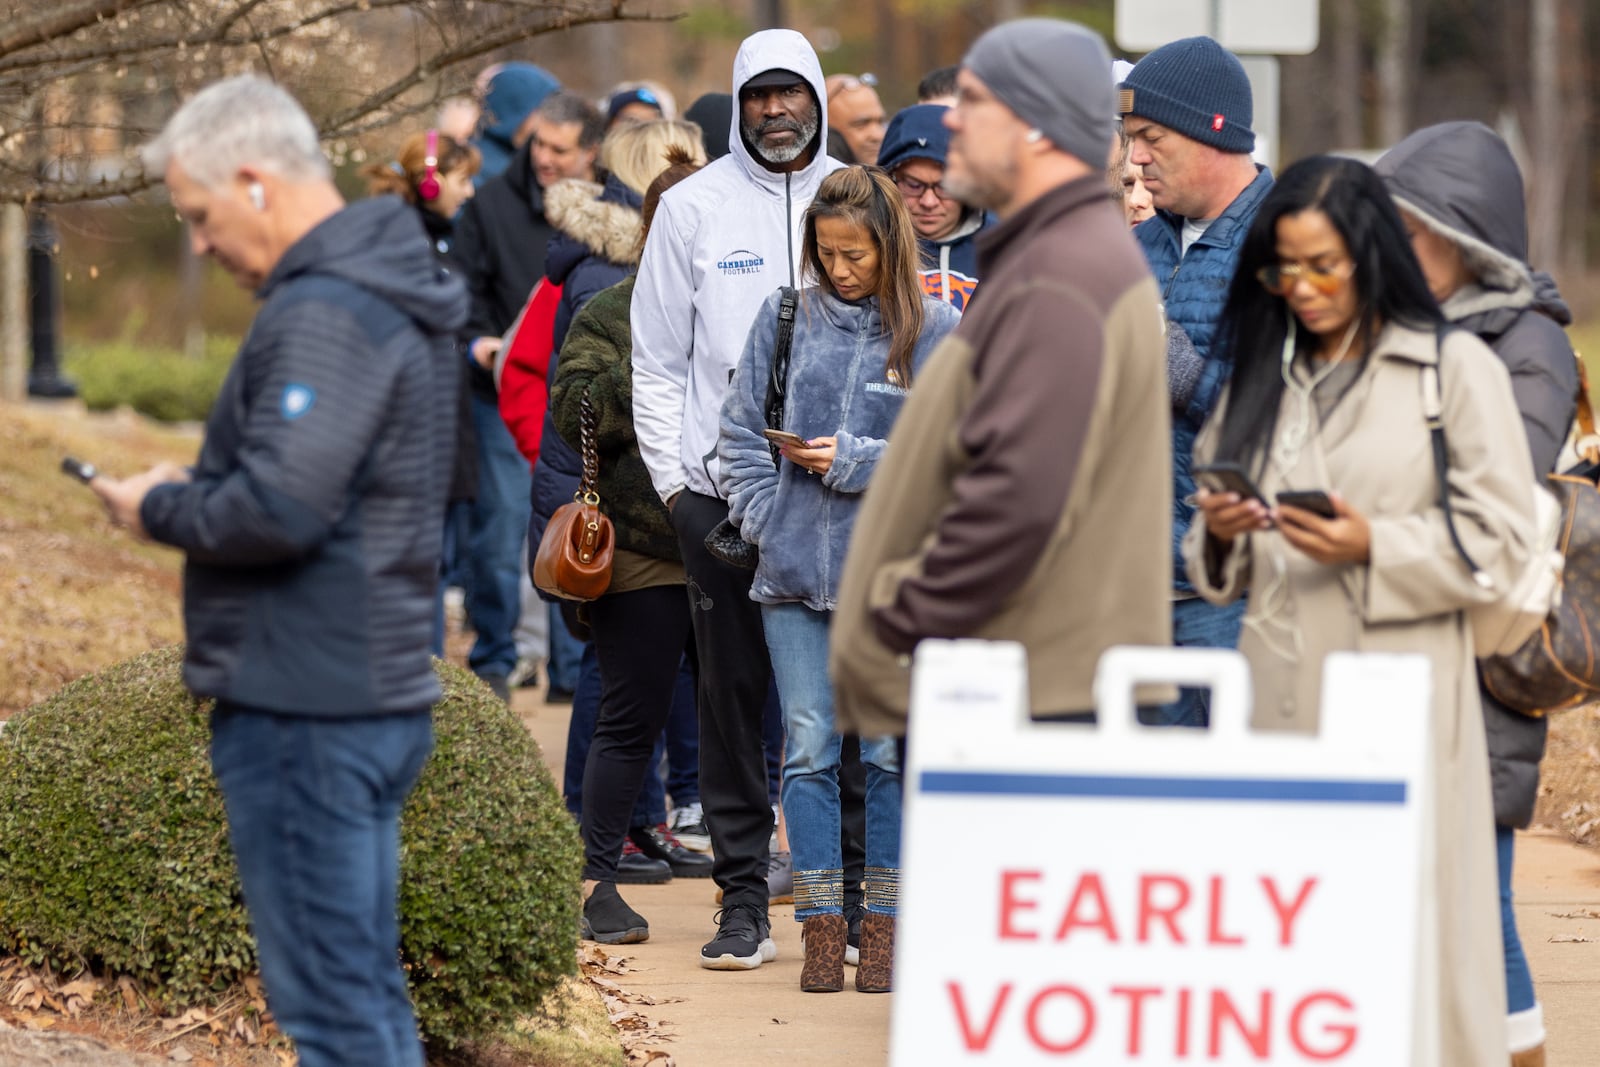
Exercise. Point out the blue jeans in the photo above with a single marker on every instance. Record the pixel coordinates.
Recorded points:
(1519, 983)
(314, 819)
(1197, 624)
(565, 663)
(797, 638)
(683, 739)
(496, 528)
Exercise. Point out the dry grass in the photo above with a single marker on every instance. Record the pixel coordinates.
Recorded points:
(80, 594)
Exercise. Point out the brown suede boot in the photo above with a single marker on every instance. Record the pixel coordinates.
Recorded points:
(877, 953)
(823, 971)
(1533, 1057)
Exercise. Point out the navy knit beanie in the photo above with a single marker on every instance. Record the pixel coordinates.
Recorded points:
(1196, 87)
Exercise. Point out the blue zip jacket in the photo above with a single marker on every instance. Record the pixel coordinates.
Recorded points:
(1195, 288)
(836, 387)
(312, 527)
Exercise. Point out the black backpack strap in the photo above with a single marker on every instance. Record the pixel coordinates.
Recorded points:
(778, 380)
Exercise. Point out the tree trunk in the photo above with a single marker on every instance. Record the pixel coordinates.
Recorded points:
(1394, 83)
(1548, 179)
(1349, 131)
(13, 302)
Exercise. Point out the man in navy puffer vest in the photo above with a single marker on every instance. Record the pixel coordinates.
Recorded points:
(1186, 109)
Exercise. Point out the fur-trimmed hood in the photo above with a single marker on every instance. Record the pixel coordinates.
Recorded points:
(594, 220)
(1460, 181)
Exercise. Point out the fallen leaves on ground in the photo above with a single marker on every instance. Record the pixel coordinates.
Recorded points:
(641, 1035)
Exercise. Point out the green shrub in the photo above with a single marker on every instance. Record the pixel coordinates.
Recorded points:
(162, 383)
(114, 851)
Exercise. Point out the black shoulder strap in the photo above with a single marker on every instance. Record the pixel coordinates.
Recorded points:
(1433, 412)
(778, 380)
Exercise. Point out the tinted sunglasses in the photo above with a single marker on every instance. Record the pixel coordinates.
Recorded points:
(1280, 278)
(851, 82)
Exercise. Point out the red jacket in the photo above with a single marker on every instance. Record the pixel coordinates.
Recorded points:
(523, 367)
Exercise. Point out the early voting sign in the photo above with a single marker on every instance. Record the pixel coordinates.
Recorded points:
(1117, 894)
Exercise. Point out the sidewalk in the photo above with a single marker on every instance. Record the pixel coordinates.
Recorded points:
(760, 1017)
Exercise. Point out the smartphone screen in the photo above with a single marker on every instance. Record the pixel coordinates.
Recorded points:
(1312, 500)
(784, 437)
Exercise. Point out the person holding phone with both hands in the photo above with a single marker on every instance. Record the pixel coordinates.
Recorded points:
(862, 331)
(1333, 329)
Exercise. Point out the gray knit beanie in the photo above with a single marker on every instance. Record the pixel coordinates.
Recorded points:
(1196, 87)
(1056, 76)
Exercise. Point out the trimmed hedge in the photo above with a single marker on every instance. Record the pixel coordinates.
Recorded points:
(162, 383)
(114, 851)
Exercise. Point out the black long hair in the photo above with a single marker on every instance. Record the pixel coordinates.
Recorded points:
(1389, 285)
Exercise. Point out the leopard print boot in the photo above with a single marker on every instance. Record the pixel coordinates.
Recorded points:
(877, 953)
(823, 971)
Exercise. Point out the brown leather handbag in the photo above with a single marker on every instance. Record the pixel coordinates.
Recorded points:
(574, 557)
(1559, 667)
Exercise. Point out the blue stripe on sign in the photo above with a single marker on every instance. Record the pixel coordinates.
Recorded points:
(1316, 791)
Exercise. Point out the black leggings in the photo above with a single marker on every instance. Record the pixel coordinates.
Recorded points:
(640, 638)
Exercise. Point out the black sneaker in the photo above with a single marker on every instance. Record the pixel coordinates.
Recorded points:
(635, 868)
(743, 942)
(658, 843)
(608, 919)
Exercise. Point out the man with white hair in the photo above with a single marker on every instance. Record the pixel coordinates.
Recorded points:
(311, 525)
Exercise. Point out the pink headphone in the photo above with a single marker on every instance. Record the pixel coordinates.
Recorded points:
(428, 187)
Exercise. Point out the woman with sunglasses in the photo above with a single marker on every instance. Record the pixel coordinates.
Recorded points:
(862, 329)
(1332, 326)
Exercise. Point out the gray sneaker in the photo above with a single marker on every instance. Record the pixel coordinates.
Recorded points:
(780, 878)
(688, 825)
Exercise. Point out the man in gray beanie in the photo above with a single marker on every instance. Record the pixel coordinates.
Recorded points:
(1186, 111)
(1024, 495)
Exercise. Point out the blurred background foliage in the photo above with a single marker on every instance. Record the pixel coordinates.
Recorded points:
(1383, 67)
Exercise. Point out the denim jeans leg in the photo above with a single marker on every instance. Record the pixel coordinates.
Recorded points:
(882, 877)
(797, 637)
(1197, 624)
(683, 739)
(498, 527)
(314, 819)
(772, 741)
(1519, 982)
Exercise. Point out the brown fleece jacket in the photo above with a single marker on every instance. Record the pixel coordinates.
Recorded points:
(1026, 491)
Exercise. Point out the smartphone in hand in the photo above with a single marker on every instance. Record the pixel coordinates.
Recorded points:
(1313, 500)
(77, 468)
(784, 437)
(1228, 478)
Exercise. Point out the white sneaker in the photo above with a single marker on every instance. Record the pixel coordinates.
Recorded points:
(688, 825)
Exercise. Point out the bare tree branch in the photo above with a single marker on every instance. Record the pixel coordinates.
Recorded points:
(62, 21)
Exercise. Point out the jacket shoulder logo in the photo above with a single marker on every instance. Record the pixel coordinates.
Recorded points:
(297, 399)
(741, 261)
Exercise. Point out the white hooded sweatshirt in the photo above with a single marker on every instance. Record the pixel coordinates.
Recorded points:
(721, 241)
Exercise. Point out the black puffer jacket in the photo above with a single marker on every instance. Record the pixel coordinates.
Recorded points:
(1460, 180)
(312, 527)
(500, 241)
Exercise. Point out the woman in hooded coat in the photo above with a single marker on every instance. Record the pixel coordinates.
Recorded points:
(1460, 196)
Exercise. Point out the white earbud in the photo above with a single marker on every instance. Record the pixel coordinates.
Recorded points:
(1034, 135)
(258, 196)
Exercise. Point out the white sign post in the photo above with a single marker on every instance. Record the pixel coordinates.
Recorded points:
(1122, 894)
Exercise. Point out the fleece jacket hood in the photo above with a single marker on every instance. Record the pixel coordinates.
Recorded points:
(379, 245)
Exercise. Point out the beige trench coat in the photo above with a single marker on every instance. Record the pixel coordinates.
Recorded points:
(1375, 450)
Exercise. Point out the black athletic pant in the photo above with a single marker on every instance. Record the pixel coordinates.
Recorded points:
(735, 674)
(852, 820)
(640, 638)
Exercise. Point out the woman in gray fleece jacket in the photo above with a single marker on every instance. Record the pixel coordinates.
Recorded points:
(860, 334)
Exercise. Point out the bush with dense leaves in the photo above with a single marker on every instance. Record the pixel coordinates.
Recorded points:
(162, 383)
(114, 851)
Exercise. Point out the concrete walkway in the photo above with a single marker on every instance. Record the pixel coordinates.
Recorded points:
(760, 1017)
